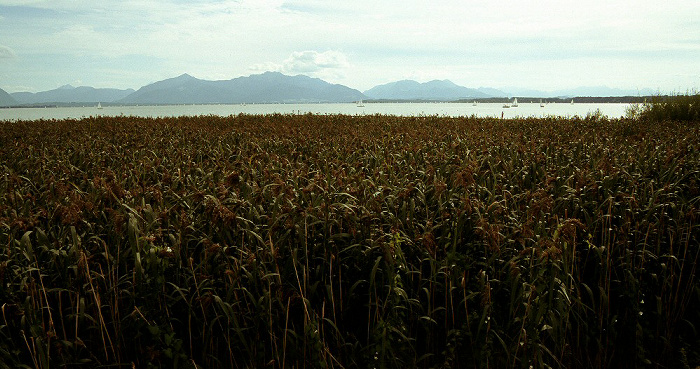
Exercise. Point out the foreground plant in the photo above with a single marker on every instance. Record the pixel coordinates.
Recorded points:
(343, 241)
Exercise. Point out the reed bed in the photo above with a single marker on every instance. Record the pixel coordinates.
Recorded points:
(678, 107)
(307, 241)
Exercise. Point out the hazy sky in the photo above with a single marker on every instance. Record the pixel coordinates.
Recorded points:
(546, 45)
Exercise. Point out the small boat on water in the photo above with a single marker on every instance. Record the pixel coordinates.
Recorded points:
(572, 101)
(99, 105)
(541, 104)
(515, 103)
(360, 104)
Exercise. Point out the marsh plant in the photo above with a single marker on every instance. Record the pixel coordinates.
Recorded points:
(305, 241)
(680, 107)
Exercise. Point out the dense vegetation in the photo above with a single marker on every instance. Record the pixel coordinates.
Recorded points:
(290, 241)
(675, 107)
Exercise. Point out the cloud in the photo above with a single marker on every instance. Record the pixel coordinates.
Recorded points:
(313, 61)
(307, 62)
(265, 67)
(483, 42)
(6, 53)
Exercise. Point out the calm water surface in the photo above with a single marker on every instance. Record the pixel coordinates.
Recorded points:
(404, 109)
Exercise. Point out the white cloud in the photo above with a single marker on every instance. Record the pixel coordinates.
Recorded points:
(313, 61)
(308, 62)
(265, 67)
(484, 42)
(6, 53)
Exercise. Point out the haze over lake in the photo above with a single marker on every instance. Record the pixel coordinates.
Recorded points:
(402, 109)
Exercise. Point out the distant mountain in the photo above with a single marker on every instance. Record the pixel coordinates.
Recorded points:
(269, 87)
(70, 94)
(528, 92)
(6, 99)
(599, 91)
(602, 91)
(274, 87)
(492, 92)
(433, 90)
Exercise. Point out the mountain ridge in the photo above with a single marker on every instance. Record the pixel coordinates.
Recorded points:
(275, 87)
(431, 90)
(268, 87)
(70, 94)
(6, 99)
(581, 91)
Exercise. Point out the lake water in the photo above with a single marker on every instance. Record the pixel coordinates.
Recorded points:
(404, 109)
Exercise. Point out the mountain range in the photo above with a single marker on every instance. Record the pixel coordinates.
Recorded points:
(70, 94)
(274, 87)
(579, 91)
(6, 99)
(269, 87)
(433, 90)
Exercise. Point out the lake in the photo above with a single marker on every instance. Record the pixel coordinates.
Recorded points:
(404, 109)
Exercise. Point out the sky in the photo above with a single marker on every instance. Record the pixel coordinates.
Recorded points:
(543, 45)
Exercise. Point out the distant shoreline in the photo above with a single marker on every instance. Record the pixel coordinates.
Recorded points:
(522, 100)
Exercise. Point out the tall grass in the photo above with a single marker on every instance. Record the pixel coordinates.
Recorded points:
(681, 107)
(290, 241)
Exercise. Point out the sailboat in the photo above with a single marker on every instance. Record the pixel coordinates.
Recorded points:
(360, 104)
(99, 106)
(572, 101)
(515, 103)
(541, 104)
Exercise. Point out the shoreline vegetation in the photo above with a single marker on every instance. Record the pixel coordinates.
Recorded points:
(336, 241)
